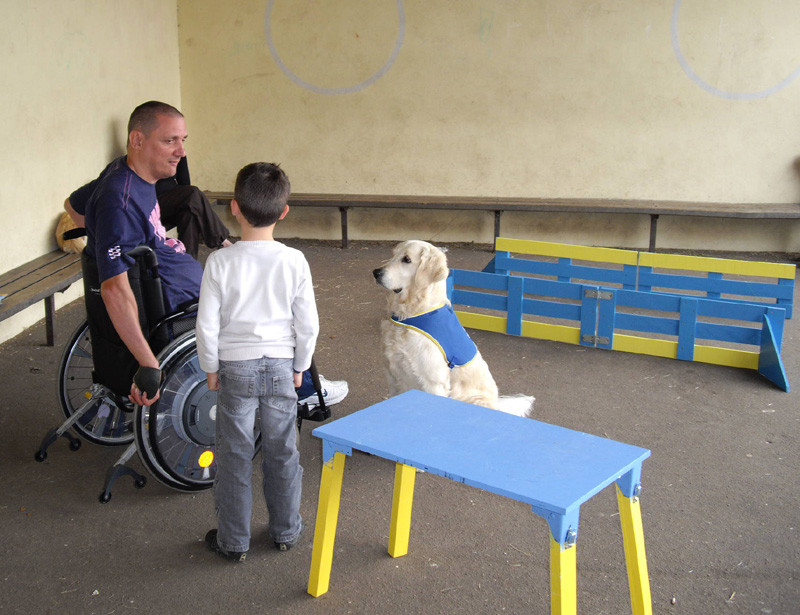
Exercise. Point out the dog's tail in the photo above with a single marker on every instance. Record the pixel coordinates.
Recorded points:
(520, 405)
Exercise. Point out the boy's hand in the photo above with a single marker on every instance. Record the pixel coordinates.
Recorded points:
(213, 381)
(298, 379)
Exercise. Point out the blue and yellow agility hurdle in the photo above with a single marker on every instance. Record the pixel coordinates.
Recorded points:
(618, 300)
(770, 284)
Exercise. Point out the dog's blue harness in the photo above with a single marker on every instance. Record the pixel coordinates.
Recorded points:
(441, 326)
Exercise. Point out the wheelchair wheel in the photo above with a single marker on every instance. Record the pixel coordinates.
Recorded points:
(106, 423)
(175, 436)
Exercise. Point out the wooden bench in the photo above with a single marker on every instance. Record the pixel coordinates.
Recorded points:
(654, 209)
(38, 280)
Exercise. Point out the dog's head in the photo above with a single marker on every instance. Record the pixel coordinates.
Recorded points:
(414, 267)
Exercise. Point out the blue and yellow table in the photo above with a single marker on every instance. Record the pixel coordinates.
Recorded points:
(551, 468)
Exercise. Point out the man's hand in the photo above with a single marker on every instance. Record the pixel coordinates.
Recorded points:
(140, 398)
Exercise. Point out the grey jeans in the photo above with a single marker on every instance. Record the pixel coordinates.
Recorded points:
(262, 388)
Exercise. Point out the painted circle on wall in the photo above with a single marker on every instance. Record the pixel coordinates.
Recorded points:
(692, 74)
(337, 90)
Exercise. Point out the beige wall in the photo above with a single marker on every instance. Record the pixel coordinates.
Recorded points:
(72, 71)
(539, 98)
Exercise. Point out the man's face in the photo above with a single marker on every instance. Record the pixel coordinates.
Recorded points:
(157, 154)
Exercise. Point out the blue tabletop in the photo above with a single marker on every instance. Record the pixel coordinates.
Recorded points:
(546, 466)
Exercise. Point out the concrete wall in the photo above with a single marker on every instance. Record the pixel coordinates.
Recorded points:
(674, 100)
(639, 99)
(72, 71)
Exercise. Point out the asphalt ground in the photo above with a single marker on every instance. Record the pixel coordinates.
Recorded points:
(719, 504)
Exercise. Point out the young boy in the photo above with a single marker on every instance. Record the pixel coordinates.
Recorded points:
(257, 326)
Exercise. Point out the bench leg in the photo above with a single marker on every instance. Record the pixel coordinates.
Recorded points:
(630, 515)
(563, 578)
(330, 491)
(401, 509)
(653, 231)
(345, 238)
(50, 319)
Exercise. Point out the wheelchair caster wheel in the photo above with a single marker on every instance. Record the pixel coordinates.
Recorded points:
(104, 497)
(74, 445)
(139, 483)
(40, 456)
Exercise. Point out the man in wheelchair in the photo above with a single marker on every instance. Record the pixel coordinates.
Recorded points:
(120, 211)
(139, 355)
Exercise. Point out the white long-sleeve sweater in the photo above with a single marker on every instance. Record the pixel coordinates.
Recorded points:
(256, 300)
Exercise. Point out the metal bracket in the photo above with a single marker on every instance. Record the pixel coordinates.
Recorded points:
(595, 339)
(594, 293)
(572, 538)
(637, 491)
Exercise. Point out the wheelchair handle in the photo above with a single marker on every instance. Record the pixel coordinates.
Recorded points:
(149, 256)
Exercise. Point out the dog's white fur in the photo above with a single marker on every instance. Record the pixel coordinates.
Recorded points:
(416, 275)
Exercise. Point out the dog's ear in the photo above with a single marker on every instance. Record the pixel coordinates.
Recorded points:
(432, 267)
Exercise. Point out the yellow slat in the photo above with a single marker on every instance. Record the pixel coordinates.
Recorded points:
(564, 250)
(717, 265)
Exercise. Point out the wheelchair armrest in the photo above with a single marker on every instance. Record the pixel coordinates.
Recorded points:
(188, 307)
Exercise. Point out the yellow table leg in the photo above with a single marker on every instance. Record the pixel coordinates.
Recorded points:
(330, 491)
(630, 515)
(563, 579)
(401, 509)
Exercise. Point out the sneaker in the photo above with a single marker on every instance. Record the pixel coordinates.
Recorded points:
(234, 556)
(285, 546)
(333, 391)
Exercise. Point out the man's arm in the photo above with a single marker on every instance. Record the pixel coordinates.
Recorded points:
(77, 218)
(122, 309)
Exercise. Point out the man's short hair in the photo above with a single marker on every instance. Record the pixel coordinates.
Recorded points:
(144, 117)
(262, 191)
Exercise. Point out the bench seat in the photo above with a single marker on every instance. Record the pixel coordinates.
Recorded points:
(498, 205)
(39, 280)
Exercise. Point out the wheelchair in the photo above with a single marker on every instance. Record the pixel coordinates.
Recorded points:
(174, 437)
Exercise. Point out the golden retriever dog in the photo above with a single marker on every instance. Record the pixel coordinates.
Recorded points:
(418, 354)
(70, 246)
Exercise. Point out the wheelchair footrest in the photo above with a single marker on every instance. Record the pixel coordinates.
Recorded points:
(316, 413)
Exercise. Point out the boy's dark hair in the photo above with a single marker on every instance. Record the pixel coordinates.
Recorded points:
(262, 191)
(144, 117)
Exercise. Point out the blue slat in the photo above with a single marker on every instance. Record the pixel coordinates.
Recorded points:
(606, 321)
(514, 319)
(588, 314)
(480, 300)
(552, 309)
(565, 270)
(478, 279)
(551, 288)
(730, 287)
(646, 324)
(728, 333)
(769, 359)
(686, 329)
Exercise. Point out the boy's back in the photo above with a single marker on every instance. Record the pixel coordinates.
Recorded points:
(260, 296)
